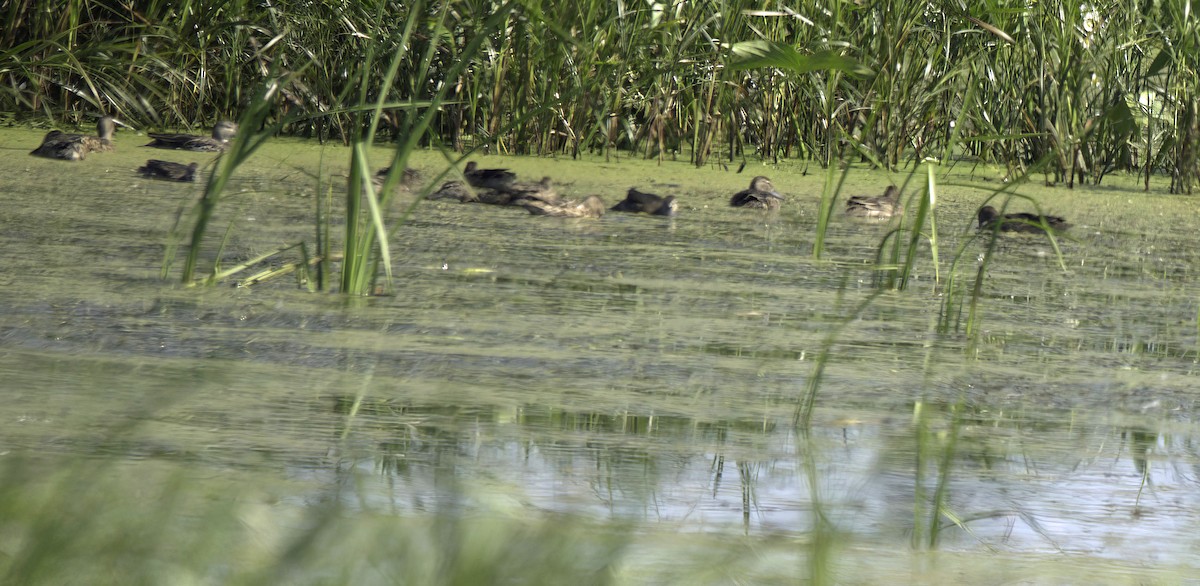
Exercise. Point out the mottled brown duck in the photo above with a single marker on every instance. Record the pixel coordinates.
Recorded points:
(169, 171)
(410, 178)
(541, 191)
(591, 207)
(222, 133)
(456, 190)
(488, 178)
(639, 201)
(990, 219)
(75, 147)
(876, 208)
(761, 194)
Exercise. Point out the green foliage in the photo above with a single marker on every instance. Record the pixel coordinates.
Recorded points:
(697, 79)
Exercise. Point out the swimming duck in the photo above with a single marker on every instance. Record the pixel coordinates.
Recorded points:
(74, 147)
(169, 171)
(591, 207)
(877, 208)
(411, 177)
(761, 194)
(464, 194)
(489, 178)
(222, 133)
(1019, 222)
(60, 145)
(453, 190)
(639, 201)
(543, 191)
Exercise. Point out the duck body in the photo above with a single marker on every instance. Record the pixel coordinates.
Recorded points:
(169, 171)
(488, 178)
(75, 147)
(990, 219)
(542, 191)
(105, 128)
(876, 207)
(456, 190)
(222, 133)
(591, 207)
(515, 193)
(639, 201)
(60, 145)
(761, 194)
(485, 195)
(410, 178)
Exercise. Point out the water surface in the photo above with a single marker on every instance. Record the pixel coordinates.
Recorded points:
(631, 370)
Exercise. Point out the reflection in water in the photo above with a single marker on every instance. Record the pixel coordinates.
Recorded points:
(1050, 486)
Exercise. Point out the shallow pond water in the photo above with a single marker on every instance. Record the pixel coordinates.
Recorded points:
(632, 370)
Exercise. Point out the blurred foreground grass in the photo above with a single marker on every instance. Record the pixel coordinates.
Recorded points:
(98, 521)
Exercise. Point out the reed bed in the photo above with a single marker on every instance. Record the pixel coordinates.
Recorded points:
(1087, 88)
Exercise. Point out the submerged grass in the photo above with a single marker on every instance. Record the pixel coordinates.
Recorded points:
(73, 525)
(433, 347)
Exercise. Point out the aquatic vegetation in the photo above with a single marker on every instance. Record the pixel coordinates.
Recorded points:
(585, 379)
(529, 396)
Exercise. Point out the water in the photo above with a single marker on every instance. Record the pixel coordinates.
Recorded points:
(632, 369)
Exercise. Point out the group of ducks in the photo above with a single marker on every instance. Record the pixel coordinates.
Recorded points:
(500, 186)
(75, 147)
(888, 205)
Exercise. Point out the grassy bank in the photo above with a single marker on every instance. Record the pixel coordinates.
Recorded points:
(1075, 90)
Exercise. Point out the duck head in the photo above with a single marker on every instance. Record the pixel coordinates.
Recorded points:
(224, 131)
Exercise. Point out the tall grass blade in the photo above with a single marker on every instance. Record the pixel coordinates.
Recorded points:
(250, 138)
(802, 416)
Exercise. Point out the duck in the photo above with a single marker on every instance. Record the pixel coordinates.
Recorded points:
(411, 177)
(640, 201)
(761, 194)
(543, 191)
(453, 190)
(465, 194)
(489, 178)
(516, 193)
(75, 147)
(169, 171)
(989, 219)
(222, 133)
(60, 145)
(876, 207)
(591, 207)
